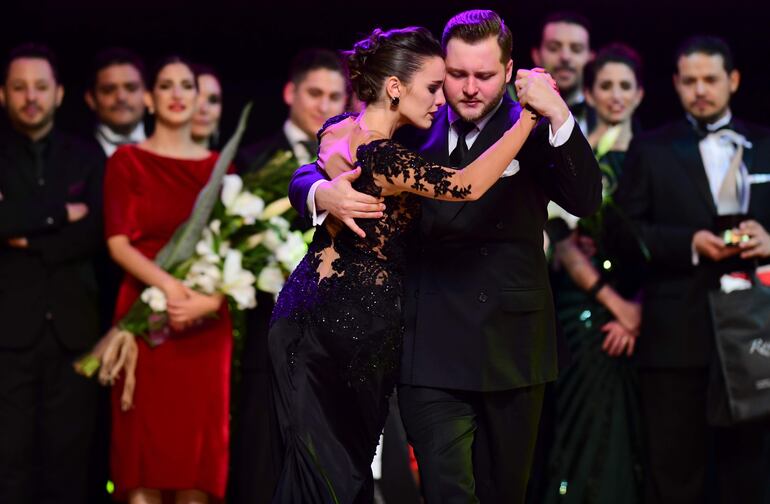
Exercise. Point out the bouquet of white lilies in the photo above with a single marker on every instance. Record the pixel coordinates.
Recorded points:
(237, 240)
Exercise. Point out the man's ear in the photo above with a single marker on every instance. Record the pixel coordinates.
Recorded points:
(59, 95)
(508, 70)
(2, 96)
(735, 81)
(148, 102)
(89, 99)
(536, 59)
(288, 93)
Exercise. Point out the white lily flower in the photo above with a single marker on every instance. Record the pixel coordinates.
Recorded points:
(215, 226)
(248, 206)
(237, 282)
(280, 223)
(224, 247)
(272, 240)
(291, 252)
(271, 279)
(255, 239)
(205, 247)
(155, 298)
(205, 276)
(231, 188)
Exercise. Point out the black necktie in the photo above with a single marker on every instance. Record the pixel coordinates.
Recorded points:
(311, 146)
(460, 152)
(703, 131)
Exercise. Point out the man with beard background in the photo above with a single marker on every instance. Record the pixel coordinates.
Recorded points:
(563, 51)
(480, 340)
(50, 228)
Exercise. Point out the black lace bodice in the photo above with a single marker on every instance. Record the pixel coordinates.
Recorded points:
(345, 280)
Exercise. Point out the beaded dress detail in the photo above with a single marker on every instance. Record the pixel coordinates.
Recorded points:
(335, 339)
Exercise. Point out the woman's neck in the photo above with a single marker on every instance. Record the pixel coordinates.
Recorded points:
(380, 120)
(173, 142)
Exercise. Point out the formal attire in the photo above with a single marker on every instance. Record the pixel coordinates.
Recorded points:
(104, 142)
(479, 322)
(596, 453)
(177, 433)
(48, 315)
(666, 190)
(254, 446)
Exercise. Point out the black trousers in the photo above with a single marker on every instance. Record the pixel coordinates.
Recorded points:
(688, 461)
(47, 415)
(472, 446)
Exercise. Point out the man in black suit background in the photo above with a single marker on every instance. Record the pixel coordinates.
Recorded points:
(676, 183)
(315, 91)
(50, 227)
(480, 339)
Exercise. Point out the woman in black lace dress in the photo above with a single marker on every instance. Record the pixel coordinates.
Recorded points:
(336, 332)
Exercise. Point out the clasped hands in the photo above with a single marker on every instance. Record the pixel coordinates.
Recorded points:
(186, 307)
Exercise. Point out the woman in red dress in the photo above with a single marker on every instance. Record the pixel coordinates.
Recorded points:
(174, 440)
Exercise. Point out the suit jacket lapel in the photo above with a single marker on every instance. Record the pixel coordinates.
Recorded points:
(686, 146)
(436, 150)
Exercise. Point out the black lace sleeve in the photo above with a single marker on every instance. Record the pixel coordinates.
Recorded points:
(396, 167)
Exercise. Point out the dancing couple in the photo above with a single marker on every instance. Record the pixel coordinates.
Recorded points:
(429, 274)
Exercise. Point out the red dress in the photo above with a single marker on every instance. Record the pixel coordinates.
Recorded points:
(176, 436)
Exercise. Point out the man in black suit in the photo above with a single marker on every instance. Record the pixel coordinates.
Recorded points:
(674, 186)
(50, 226)
(480, 339)
(116, 95)
(315, 91)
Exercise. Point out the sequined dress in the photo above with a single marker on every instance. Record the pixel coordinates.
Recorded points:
(335, 339)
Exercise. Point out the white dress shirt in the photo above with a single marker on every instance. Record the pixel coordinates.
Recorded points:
(556, 139)
(110, 141)
(296, 136)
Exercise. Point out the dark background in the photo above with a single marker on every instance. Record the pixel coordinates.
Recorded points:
(251, 42)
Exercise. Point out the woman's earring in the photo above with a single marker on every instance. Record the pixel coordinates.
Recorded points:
(394, 102)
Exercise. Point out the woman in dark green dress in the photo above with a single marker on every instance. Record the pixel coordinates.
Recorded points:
(596, 454)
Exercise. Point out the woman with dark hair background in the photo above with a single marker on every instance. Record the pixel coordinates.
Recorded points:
(208, 113)
(174, 440)
(596, 455)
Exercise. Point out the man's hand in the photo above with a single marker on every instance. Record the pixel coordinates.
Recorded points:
(758, 245)
(538, 90)
(709, 245)
(345, 203)
(76, 211)
(18, 242)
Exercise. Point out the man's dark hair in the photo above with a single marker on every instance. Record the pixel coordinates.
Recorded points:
(706, 44)
(568, 17)
(476, 25)
(116, 56)
(613, 53)
(31, 50)
(311, 59)
(170, 60)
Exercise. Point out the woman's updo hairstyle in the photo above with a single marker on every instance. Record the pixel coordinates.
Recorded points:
(399, 53)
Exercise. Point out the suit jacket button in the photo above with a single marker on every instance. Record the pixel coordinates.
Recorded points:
(483, 297)
(483, 251)
(49, 221)
(500, 225)
(48, 315)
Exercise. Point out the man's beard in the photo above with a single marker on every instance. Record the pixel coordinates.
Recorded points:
(488, 107)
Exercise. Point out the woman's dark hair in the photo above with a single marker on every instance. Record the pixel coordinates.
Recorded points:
(382, 54)
(613, 53)
(170, 60)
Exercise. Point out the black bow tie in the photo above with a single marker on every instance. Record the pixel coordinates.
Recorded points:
(702, 130)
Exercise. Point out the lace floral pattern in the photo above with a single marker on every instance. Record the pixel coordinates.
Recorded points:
(350, 287)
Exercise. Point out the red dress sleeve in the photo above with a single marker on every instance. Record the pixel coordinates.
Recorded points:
(120, 195)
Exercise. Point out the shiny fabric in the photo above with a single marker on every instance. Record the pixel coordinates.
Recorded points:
(176, 435)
